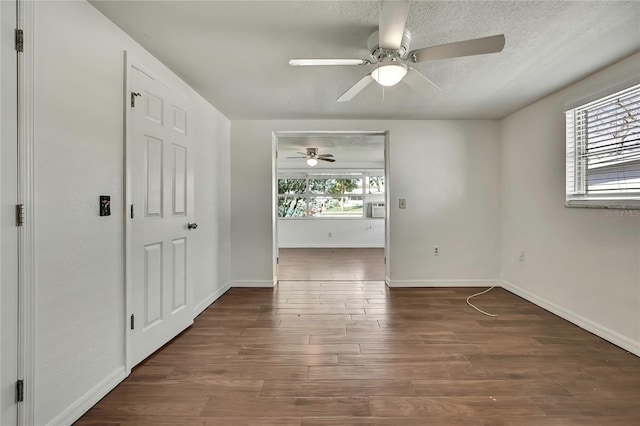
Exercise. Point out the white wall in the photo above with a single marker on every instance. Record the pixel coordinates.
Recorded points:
(80, 317)
(212, 263)
(582, 263)
(449, 172)
(294, 233)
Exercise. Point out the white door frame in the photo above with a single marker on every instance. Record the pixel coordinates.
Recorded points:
(387, 211)
(274, 195)
(274, 206)
(26, 196)
(129, 63)
(9, 247)
(126, 231)
(132, 63)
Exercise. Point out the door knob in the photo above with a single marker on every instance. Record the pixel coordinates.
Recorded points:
(192, 225)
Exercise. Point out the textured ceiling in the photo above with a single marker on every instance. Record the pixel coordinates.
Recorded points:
(236, 53)
(349, 150)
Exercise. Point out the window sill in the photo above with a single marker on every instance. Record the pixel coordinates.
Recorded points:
(330, 218)
(604, 204)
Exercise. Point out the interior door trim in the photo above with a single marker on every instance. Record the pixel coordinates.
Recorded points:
(130, 63)
(26, 196)
(274, 190)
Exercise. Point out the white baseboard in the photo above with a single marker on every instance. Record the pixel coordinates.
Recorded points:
(210, 299)
(88, 400)
(330, 245)
(599, 330)
(254, 284)
(442, 283)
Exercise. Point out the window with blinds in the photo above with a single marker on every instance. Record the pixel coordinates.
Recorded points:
(603, 152)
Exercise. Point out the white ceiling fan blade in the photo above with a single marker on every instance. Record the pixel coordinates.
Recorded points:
(322, 62)
(420, 83)
(393, 18)
(478, 46)
(356, 88)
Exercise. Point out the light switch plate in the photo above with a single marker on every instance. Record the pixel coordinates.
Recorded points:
(402, 203)
(105, 205)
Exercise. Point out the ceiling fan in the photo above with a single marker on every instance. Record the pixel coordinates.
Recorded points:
(313, 157)
(389, 51)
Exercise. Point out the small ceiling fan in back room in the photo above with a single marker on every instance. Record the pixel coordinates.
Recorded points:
(389, 52)
(312, 157)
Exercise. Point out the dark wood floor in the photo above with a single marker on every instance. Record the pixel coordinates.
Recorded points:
(331, 264)
(355, 353)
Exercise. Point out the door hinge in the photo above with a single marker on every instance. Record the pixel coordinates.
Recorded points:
(385, 260)
(132, 211)
(19, 36)
(133, 321)
(277, 260)
(20, 391)
(133, 98)
(19, 214)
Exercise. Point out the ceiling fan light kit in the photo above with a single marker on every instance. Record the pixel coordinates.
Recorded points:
(312, 157)
(389, 74)
(389, 51)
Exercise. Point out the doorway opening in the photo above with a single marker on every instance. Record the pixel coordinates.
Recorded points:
(329, 200)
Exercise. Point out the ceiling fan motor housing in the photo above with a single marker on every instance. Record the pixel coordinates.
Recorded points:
(377, 53)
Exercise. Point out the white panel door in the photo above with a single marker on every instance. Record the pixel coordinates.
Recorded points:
(161, 191)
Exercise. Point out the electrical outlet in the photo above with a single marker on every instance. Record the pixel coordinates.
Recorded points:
(330, 235)
(522, 256)
(402, 203)
(436, 251)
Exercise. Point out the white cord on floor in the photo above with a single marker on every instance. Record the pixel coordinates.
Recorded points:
(476, 308)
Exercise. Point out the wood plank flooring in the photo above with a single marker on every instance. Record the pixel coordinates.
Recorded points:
(327, 264)
(358, 353)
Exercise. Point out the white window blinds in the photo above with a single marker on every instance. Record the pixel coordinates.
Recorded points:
(603, 151)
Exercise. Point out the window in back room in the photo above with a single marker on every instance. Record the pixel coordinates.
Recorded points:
(603, 152)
